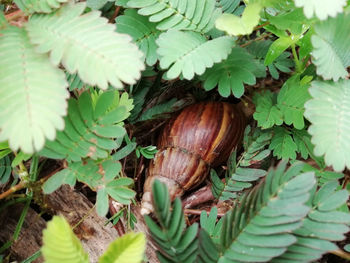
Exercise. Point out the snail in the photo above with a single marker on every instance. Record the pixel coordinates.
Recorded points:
(201, 136)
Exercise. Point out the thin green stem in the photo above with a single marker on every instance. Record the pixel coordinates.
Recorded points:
(84, 217)
(32, 257)
(14, 201)
(21, 219)
(298, 64)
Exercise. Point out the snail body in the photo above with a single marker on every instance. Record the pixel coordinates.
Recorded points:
(200, 137)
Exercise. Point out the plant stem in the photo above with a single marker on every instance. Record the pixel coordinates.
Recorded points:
(341, 253)
(298, 65)
(13, 189)
(33, 257)
(22, 185)
(262, 36)
(14, 15)
(198, 212)
(84, 217)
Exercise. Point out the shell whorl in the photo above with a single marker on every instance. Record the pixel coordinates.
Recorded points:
(199, 137)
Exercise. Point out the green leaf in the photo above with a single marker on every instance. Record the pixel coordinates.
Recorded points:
(20, 157)
(125, 151)
(323, 175)
(291, 100)
(91, 128)
(241, 179)
(3, 21)
(102, 203)
(283, 63)
(228, 6)
(254, 143)
(4, 149)
(230, 75)
(39, 6)
(174, 242)
(96, 4)
(5, 169)
(259, 228)
(158, 110)
(234, 25)
(303, 141)
(60, 245)
(143, 32)
(209, 224)
(238, 177)
(187, 52)
(148, 151)
(282, 144)
(207, 251)
(112, 59)
(292, 21)
(328, 112)
(322, 225)
(122, 3)
(267, 113)
(321, 8)
(277, 48)
(75, 82)
(305, 45)
(101, 176)
(126, 249)
(32, 104)
(331, 52)
(198, 16)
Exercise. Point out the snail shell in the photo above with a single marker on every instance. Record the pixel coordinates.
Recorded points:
(200, 137)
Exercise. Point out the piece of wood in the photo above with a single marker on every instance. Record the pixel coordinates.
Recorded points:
(29, 240)
(91, 230)
(75, 207)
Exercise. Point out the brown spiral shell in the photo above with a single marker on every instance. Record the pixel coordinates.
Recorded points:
(199, 137)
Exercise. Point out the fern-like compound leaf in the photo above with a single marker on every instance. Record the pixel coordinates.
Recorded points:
(60, 243)
(228, 6)
(194, 15)
(75, 82)
(260, 228)
(39, 6)
(127, 249)
(86, 44)
(255, 143)
(241, 179)
(323, 225)
(91, 127)
(101, 177)
(238, 177)
(282, 144)
(207, 251)
(321, 8)
(230, 75)
(32, 104)
(267, 113)
(329, 114)
(283, 63)
(291, 100)
(331, 50)
(174, 242)
(187, 52)
(143, 32)
(209, 224)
